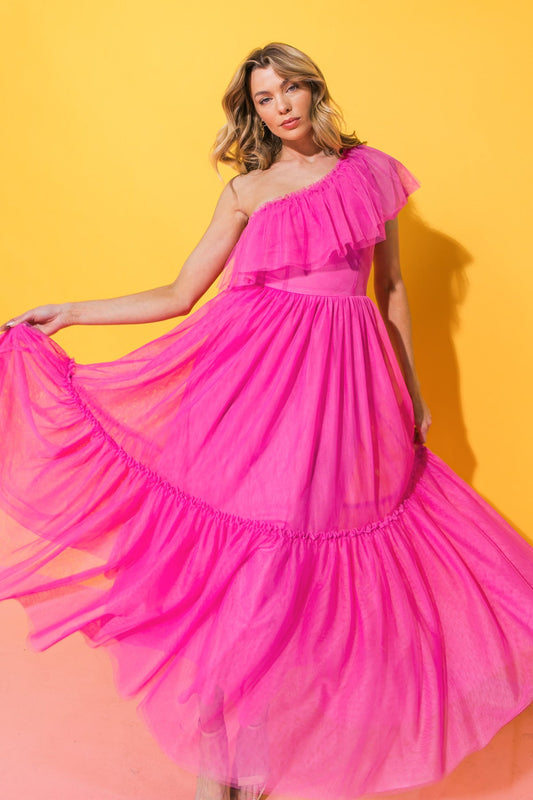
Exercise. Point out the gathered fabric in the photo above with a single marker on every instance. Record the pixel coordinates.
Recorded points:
(238, 513)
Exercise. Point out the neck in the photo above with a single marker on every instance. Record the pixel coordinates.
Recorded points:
(304, 150)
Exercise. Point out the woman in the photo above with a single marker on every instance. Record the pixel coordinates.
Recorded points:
(243, 510)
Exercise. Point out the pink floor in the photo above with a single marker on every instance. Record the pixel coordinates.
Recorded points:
(93, 746)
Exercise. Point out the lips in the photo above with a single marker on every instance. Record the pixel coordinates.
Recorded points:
(288, 121)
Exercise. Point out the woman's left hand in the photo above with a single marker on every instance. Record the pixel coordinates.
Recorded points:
(422, 418)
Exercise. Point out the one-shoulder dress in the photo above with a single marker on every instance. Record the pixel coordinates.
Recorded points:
(238, 512)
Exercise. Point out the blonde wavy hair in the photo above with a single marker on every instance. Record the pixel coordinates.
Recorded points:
(244, 143)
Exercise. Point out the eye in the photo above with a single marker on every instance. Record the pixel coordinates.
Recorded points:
(266, 99)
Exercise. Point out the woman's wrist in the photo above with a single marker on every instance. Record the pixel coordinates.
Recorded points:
(69, 314)
(414, 386)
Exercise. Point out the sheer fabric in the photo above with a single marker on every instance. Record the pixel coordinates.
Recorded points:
(237, 512)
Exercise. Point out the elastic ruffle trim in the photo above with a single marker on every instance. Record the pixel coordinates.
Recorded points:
(326, 221)
(263, 526)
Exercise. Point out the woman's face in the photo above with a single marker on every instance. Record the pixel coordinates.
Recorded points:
(278, 100)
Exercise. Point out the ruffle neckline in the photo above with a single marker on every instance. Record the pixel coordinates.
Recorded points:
(318, 184)
(324, 223)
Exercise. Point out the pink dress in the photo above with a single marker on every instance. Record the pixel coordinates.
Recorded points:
(237, 512)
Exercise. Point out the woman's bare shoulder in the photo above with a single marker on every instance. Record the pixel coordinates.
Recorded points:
(247, 186)
(260, 186)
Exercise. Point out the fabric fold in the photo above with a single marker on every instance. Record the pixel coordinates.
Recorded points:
(238, 513)
(324, 224)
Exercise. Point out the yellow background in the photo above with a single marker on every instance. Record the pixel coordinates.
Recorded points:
(109, 110)
(108, 113)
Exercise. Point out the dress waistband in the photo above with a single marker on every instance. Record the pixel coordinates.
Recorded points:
(312, 286)
(276, 287)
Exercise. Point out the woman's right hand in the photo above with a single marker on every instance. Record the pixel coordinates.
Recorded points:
(48, 319)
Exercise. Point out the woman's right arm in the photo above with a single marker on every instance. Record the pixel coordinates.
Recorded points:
(198, 272)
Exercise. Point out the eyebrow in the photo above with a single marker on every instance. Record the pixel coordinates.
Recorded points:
(264, 91)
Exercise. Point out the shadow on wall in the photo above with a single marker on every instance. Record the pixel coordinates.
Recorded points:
(434, 269)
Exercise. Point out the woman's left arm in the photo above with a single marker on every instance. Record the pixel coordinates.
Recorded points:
(391, 297)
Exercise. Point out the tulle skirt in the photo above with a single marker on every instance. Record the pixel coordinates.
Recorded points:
(237, 512)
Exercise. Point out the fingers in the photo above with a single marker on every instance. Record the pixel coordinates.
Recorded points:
(9, 324)
(421, 431)
(426, 426)
(12, 324)
(48, 330)
(29, 317)
(15, 321)
(419, 438)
